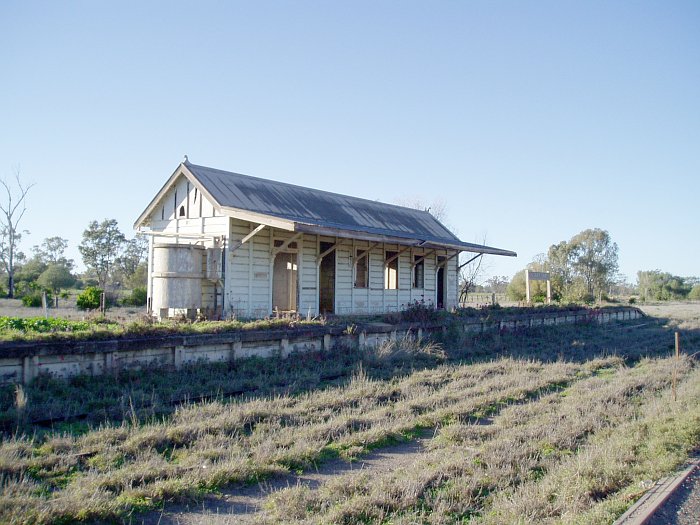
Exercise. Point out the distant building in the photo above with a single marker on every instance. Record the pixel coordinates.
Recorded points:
(228, 244)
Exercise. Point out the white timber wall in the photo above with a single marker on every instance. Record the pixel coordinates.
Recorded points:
(308, 275)
(451, 293)
(184, 211)
(249, 268)
(199, 219)
(248, 271)
(249, 274)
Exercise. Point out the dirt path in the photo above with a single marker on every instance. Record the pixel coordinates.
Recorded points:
(240, 504)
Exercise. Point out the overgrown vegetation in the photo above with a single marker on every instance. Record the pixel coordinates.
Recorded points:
(90, 298)
(581, 269)
(153, 394)
(97, 327)
(41, 325)
(539, 427)
(581, 449)
(114, 264)
(662, 286)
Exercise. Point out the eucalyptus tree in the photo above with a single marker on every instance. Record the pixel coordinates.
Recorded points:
(101, 245)
(594, 259)
(13, 205)
(52, 251)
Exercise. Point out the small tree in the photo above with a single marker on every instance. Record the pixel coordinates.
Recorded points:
(516, 290)
(90, 298)
(56, 278)
(132, 264)
(12, 209)
(583, 267)
(662, 286)
(595, 259)
(469, 276)
(26, 275)
(471, 273)
(102, 243)
(560, 265)
(497, 284)
(694, 294)
(52, 251)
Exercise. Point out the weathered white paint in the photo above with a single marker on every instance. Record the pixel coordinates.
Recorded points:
(184, 215)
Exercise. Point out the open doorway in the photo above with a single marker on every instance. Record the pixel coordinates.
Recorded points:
(284, 282)
(326, 280)
(440, 283)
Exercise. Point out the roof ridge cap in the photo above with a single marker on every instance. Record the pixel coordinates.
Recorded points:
(319, 190)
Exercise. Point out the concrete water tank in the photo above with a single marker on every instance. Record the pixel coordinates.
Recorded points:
(177, 277)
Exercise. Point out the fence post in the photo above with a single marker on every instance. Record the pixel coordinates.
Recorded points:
(677, 338)
(45, 304)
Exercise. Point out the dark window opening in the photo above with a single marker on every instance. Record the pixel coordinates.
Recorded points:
(440, 284)
(182, 211)
(326, 279)
(361, 270)
(418, 272)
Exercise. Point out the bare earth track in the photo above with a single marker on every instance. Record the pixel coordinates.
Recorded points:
(242, 504)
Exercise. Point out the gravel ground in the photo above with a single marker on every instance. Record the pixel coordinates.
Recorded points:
(683, 506)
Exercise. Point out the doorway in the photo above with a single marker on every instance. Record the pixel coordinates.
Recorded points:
(440, 284)
(284, 282)
(326, 280)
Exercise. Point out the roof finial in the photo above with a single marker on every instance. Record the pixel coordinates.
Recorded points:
(186, 161)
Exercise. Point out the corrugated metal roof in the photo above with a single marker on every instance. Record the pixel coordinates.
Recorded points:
(309, 208)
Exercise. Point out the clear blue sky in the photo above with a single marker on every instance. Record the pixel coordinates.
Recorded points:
(531, 120)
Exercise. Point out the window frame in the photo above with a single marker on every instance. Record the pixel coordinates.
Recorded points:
(416, 266)
(389, 267)
(361, 256)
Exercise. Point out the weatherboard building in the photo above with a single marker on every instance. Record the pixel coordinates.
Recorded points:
(225, 244)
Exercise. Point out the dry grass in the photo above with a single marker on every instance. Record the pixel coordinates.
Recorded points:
(556, 458)
(682, 315)
(516, 440)
(111, 471)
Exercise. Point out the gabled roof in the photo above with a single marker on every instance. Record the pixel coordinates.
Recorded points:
(316, 211)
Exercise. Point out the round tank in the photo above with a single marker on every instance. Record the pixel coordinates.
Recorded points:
(177, 276)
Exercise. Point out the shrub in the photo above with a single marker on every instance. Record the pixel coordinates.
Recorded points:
(33, 299)
(89, 299)
(588, 298)
(40, 324)
(694, 294)
(138, 297)
(420, 312)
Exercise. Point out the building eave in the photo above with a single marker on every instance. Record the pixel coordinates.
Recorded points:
(404, 241)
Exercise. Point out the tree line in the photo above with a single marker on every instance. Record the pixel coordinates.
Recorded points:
(585, 269)
(111, 260)
(112, 263)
